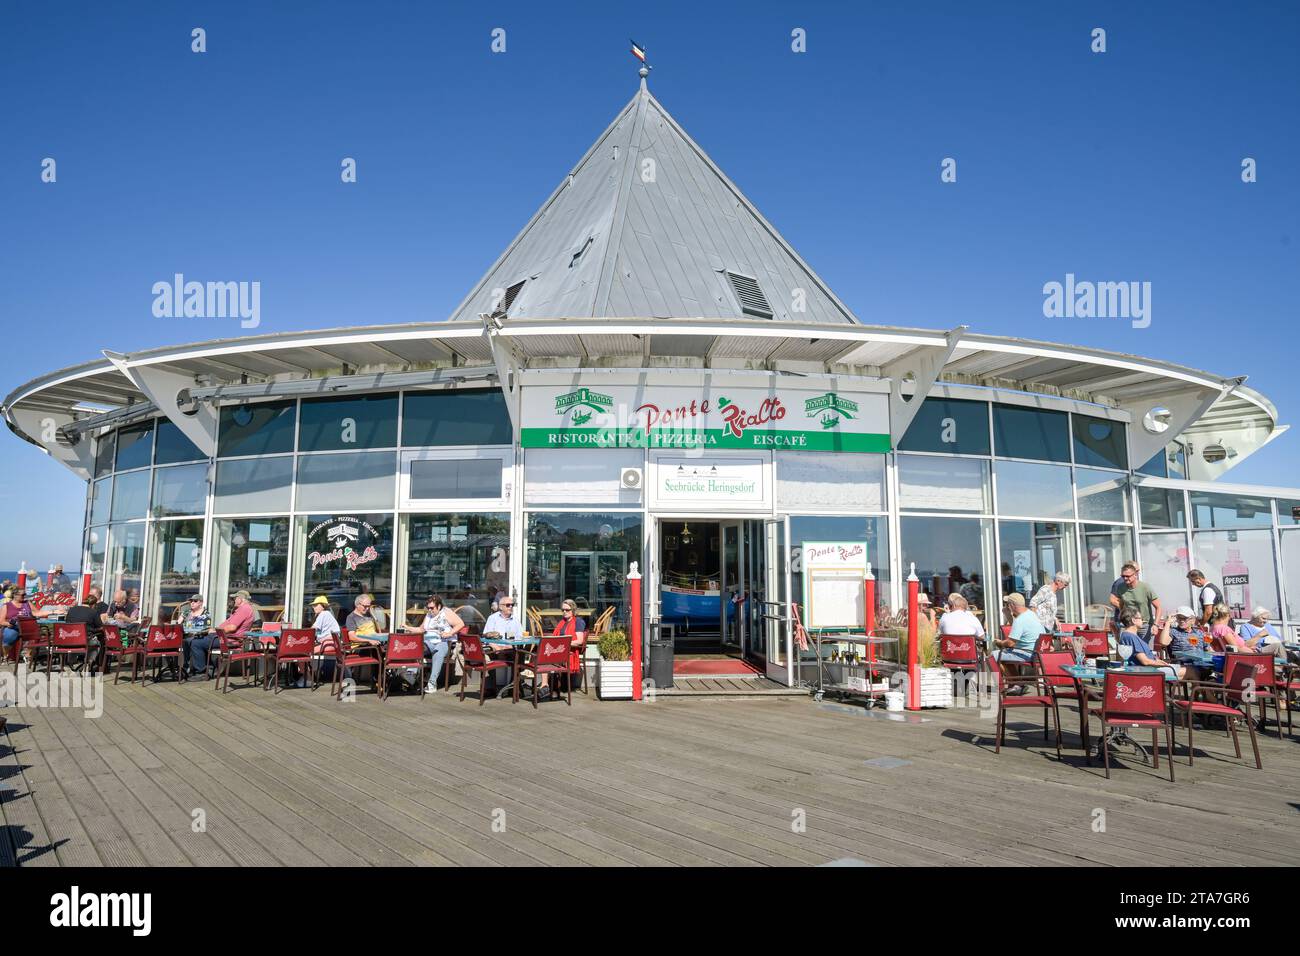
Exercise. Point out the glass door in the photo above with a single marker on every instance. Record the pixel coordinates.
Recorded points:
(733, 584)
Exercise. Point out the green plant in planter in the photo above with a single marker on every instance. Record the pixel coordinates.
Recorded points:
(614, 646)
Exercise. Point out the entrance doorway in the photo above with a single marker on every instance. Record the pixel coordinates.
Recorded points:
(720, 586)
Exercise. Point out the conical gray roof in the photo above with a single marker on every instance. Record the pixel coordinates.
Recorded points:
(646, 226)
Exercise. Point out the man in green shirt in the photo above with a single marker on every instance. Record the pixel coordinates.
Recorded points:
(1130, 593)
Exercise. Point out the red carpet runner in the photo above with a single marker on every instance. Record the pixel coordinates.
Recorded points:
(726, 666)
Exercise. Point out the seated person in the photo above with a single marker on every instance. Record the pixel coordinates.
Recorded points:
(572, 627)
(1260, 636)
(10, 612)
(195, 621)
(958, 619)
(327, 633)
(440, 624)
(1176, 639)
(122, 612)
(1223, 639)
(1018, 646)
(1131, 627)
(93, 613)
(503, 624)
(361, 624)
(235, 628)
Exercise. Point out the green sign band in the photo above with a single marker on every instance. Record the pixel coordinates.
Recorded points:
(673, 438)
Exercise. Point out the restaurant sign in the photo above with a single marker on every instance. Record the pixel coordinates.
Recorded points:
(347, 541)
(640, 416)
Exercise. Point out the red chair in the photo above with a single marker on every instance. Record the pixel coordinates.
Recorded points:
(231, 651)
(404, 650)
(476, 659)
(551, 657)
(1249, 678)
(30, 636)
(163, 643)
(294, 647)
(450, 660)
(1006, 631)
(1066, 628)
(962, 653)
(1190, 706)
(68, 639)
(1044, 643)
(1042, 699)
(1063, 686)
(345, 657)
(116, 647)
(1133, 701)
(1095, 643)
(1289, 691)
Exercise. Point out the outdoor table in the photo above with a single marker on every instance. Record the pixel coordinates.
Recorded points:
(517, 645)
(1118, 737)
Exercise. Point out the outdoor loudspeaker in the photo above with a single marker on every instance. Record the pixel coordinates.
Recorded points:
(630, 479)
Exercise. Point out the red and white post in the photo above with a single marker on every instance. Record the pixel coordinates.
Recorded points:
(85, 585)
(913, 640)
(869, 617)
(22, 577)
(634, 613)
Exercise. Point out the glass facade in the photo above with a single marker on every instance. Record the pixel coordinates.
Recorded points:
(988, 498)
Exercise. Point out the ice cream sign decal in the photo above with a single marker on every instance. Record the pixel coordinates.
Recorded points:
(831, 407)
(343, 535)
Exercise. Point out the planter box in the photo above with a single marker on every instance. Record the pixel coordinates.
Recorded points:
(936, 687)
(614, 679)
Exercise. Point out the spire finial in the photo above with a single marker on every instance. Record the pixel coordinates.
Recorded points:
(638, 51)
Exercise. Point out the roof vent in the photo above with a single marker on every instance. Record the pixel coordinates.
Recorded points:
(752, 300)
(508, 299)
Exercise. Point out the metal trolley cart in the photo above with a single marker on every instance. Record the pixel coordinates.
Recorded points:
(853, 665)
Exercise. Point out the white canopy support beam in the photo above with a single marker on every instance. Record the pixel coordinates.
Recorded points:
(164, 388)
(924, 363)
(508, 368)
(1185, 408)
(42, 427)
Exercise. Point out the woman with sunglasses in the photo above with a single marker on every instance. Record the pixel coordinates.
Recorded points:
(575, 629)
(440, 624)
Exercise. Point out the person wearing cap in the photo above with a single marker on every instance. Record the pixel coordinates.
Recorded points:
(236, 626)
(1018, 646)
(326, 626)
(1176, 638)
(195, 622)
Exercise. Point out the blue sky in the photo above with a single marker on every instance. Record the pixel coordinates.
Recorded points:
(225, 165)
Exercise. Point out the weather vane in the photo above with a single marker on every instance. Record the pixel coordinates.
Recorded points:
(638, 51)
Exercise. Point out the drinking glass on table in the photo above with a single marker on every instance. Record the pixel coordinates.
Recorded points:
(1125, 652)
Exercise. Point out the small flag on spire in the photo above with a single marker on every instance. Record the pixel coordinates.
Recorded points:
(638, 51)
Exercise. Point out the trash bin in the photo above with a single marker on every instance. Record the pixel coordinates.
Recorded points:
(661, 659)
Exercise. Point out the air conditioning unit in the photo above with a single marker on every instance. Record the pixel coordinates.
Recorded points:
(630, 479)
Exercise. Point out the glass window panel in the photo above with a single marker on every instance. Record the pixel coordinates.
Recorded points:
(456, 478)
(125, 559)
(874, 531)
(174, 565)
(1099, 442)
(1103, 495)
(349, 481)
(943, 484)
(100, 501)
(456, 418)
(344, 556)
(180, 490)
(250, 554)
(261, 428)
(1038, 491)
(559, 476)
(96, 553)
(1157, 466)
(1241, 564)
(951, 554)
(1033, 552)
(171, 446)
(1105, 550)
(1163, 558)
(104, 450)
(810, 480)
(1290, 541)
(338, 424)
(950, 425)
(253, 484)
(1214, 510)
(584, 557)
(130, 495)
(1036, 433)
(135, 446)
(465, 558)
(1178, 461)
(1162, 508)
(1288, 511)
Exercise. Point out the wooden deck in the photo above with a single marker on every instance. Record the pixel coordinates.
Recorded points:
(301, 779)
